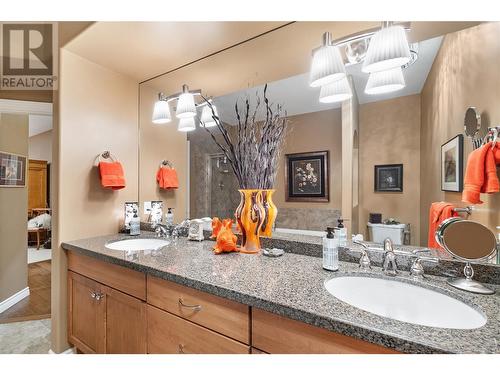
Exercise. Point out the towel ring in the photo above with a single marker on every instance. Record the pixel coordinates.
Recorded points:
(105, 155)
(165, 163)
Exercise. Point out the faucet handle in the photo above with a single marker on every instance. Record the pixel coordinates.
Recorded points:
(364, 260)
(417, 269)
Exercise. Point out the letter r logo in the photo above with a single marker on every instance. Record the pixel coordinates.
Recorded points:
(27, 49)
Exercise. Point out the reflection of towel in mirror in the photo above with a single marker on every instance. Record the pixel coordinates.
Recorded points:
(112, 175)
(438, 212)
(40, 221)
(481, 173)
(167, 178)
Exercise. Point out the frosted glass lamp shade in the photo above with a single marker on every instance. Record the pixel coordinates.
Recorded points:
(186, 124)
(335, 92)
(327, 66)
(385, 81)
(161, 112)
(185, 106)
(206, 116)
(388, 49)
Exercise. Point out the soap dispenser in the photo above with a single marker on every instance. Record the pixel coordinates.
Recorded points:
(330, 251)
(135, 225)
(341, 232)
(169, 217)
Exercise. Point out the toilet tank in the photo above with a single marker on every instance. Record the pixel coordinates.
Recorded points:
(379, 232)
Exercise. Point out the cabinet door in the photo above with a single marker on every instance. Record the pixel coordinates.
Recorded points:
(37, 184)
(85, 314)
(125, 323)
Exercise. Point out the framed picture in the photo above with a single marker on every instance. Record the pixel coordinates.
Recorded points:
(307, 176)
(452, 162)
(389, 178)
(131, 208)
(12, 170)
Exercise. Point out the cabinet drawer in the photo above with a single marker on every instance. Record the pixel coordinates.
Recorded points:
(221, 315)
(276, 334)
(169, 334)
(121, 278)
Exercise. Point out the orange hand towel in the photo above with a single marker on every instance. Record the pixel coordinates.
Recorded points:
(112, 175)
(167, 178)
(480, 174)
(438, 212)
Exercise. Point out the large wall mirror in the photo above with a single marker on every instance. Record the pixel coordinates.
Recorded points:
(395, 149)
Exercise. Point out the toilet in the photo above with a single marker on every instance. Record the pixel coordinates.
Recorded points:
(379, 232)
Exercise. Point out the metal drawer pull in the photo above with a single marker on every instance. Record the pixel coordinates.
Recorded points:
(93, 295)
(181, 349)
(194, 307)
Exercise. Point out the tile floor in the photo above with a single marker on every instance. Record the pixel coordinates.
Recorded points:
(29, 337)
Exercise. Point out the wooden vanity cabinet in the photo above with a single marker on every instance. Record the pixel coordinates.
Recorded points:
(104, 320)
(108, 313)
(275, 334)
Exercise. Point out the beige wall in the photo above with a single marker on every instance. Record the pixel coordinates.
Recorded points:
(158, 142)
(465, 73)
(316, 131)
(389, 134)
(40, 146)
(13, 211)
(88, 124)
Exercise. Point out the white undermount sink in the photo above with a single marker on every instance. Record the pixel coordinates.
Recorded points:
(405, 302)
(137, 244)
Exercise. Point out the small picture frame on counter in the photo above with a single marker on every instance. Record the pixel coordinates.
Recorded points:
(131, 208)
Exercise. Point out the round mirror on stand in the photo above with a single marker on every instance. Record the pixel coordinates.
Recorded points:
(468, 241)
(472, 125)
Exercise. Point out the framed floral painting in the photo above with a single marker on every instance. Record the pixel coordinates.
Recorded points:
(12, 170)
(307, 176)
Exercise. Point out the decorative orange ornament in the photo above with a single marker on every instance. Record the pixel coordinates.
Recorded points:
(226, 239)
(216, 227)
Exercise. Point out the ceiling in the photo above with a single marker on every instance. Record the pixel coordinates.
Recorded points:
(142, 50)
(299, 97)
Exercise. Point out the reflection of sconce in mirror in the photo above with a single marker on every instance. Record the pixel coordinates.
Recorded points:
(468, 241)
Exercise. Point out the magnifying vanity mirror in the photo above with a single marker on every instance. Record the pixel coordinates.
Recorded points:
(468, 241)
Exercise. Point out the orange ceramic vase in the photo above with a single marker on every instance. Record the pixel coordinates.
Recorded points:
(250, 216)
(270, 212)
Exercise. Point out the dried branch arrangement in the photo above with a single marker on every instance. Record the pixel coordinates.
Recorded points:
(255, 152)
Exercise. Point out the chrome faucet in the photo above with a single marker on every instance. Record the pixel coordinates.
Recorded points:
(161, 230)
(389, 265)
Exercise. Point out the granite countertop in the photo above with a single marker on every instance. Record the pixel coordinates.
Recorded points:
(293, 286)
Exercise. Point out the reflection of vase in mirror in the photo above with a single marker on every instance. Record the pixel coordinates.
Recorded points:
(250, 216)
(270, 212)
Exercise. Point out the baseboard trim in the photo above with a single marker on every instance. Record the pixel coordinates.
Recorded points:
(67, 351)
(13, 299)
